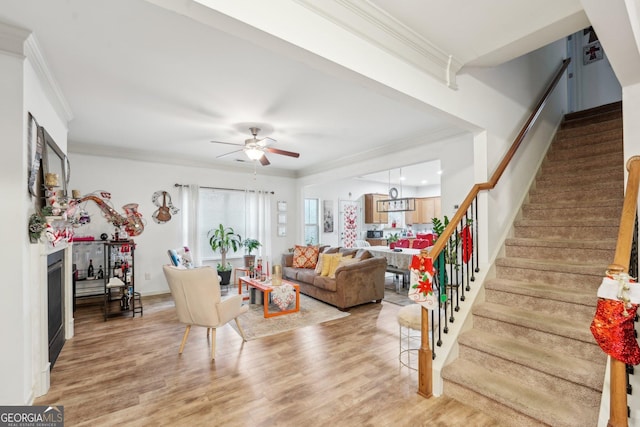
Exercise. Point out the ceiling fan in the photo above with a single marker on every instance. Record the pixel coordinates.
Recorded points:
(256, 148)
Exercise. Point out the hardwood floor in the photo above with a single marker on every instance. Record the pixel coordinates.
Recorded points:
(127, 372)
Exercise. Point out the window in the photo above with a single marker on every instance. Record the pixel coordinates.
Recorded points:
(247, 212)
(311, 221)
(220, 207)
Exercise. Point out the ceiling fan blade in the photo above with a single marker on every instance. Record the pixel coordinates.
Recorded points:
(229, 153)
(282, 152)
(227, 143)
(264, 161)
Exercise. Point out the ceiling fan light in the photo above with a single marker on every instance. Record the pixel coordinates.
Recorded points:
(253, 153)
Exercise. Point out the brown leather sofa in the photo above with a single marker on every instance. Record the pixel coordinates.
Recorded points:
(354, 284)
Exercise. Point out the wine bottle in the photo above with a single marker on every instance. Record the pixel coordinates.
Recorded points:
(90, 269)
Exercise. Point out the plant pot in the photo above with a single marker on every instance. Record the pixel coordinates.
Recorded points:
(392, 245)
(225, 276)
(249, 261)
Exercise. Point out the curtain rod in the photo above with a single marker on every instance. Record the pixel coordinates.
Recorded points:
(223, 188)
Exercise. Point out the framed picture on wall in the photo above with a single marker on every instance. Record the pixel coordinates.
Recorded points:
(327, 216)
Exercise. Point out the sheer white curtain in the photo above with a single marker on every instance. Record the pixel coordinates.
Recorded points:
(258, 220)
(190, 196)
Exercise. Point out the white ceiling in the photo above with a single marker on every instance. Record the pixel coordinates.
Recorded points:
(145, 82)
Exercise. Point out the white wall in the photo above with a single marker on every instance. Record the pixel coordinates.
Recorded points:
(15, 365)
(593, 84)
(132, 181)
(21, 91)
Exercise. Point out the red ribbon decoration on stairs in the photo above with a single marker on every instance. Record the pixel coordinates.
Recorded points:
(467, 243)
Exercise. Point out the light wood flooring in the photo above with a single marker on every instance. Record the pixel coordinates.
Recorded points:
(127, 372)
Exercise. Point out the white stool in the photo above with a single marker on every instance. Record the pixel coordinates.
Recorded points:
(410, 321)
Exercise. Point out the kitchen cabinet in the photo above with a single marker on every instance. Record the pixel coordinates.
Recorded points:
(371, 214)
(427, 208)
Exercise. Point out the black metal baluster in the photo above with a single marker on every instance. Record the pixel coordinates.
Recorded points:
(475, 240)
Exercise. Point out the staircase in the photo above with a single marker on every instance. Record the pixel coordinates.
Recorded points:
(530, 358)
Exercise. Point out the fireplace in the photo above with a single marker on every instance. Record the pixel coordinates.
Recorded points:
(55, 304)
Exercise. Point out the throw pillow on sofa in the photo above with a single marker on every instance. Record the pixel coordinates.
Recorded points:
(305, 256)
(345, 260)
(329, 262)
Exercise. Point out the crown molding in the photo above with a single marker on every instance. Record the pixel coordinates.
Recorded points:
(22, 43)
(374, 25)
(12, 39)
(35, 56)
(173, 159)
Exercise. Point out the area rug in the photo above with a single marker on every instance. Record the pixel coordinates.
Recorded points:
(311, 312)
(401, 298)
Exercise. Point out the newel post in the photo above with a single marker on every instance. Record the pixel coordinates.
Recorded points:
(425, 361)
(618, 377)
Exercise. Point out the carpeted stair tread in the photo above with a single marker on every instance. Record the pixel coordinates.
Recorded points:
(600, 131)
(539, 211)
(577, 197)
(551, 265)
(594, 111)
(562, 366)
(555, 165)
(566, 229)
(562, 243)
(538, 404)
(610, 175)
(572, 137)
(568, 222)
(575, 302)
(565, 250)
(594, 203)
(532, 320)
(592, 149)
(542, 290)
(572, 188)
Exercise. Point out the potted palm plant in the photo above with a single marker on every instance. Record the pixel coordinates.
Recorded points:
(223, 239)
(250, 245)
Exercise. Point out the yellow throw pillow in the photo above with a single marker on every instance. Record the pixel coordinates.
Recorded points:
(342, 261)
(329, 260)
(319, 264)
(305, 256)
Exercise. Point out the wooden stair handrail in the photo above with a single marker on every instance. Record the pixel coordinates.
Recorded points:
(425, 373)
(618, 382)
(489, 185)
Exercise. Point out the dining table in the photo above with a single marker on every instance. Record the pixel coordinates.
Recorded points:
(399, 258)
(398, 261)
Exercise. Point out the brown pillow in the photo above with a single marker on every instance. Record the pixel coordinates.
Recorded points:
(363, 254)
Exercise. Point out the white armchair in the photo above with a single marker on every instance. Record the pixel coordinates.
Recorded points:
(196, 293)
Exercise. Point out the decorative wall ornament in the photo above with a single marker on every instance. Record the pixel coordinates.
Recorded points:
(131, 221)
(162, 199)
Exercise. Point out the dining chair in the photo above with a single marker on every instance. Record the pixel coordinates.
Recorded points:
(420, 244)
(403, 243)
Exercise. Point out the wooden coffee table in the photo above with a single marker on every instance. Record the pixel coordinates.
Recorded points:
(266, 288)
